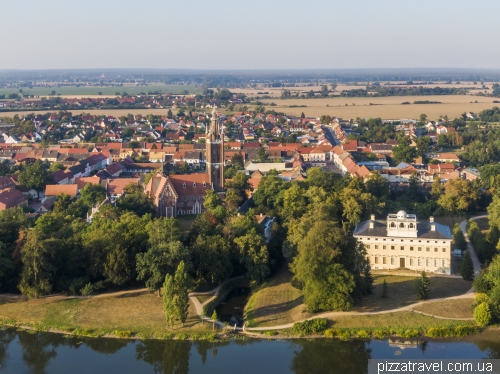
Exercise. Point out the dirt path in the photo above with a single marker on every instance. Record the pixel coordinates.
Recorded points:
(472, 251)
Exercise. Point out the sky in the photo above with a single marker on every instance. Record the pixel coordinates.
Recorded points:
(256, 34)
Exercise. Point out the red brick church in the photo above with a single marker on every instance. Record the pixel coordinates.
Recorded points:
(184, 194)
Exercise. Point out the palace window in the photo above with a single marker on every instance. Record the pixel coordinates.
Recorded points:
(376, 246)
(419, 262)
(392, 260)
(436, 263)
(411, 261)
(435, 249)
(444, 249)
(393, 225)
(428, 249)
(419, 249)
(401, 225)
(411, 248)
(392, 247)
(444, 263)
(384, 247)
(376, 259)
(402, 248)
(427, 262)
(384, 260)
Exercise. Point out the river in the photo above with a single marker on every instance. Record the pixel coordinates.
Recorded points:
(31, 352)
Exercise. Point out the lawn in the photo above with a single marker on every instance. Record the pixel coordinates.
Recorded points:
(141, 313)
(456, 308)
(401, 292)
(204, 298)
(450, 220)
(277, 302)
(394, 321)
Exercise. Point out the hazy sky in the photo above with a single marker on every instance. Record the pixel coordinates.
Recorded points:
(256, 34)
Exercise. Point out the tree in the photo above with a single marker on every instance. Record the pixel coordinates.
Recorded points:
(92, 194)
(214, 318)
(326, 283)
(459, 238)
(56, 166)
(34, 176)
(422, 286)
(423, 144)
(254, 255)
(159, 260)
(404, 153)
(423, 117)
(211, 259)
(181, 297)
(4, 168)
(262, 155)
(135, 200)
(467, 267)
(168, 300)
(459, 196)
(184, 168)
(384, 290)
(237, 161)
(36, 276)
(436, 189)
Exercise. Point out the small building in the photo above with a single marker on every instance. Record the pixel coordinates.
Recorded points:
(401, 242)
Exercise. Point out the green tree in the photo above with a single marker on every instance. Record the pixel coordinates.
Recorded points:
(459, 196)
(237, 161)
(436, 189)
(34, 176)
(254, 255)
(159, 260)
(459, 238)
(92, 194)
(384, 290)
(404, 153)
(36, 275)
(467, 267)
(262, 155)
(326, 284)
(214, 318)
(168, 300)
(181, 298)
(423, 117)
(211, 260)
(87, 290)
(135, 200)
(422, 286)
(56, 166)
(4, 168)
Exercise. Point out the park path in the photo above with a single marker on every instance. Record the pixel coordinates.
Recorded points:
(472, 251)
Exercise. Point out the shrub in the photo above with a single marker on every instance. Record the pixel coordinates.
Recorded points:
(465, 330)
(331, 333)
(344, 335)
(363, 334)
(409, 333)
(123, 333)
(310, 326)
(380, 334)
(482, 314)
(479, 299)
(481, 283)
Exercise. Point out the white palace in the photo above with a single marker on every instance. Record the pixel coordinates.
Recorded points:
(403, 243)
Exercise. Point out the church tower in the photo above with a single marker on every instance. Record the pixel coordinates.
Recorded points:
(215, 154)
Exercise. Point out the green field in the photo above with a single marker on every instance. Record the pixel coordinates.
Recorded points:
(106, 91)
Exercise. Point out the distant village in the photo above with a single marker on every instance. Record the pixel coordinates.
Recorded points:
(115, 152)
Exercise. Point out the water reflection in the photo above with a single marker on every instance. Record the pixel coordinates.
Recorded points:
(330, 356)
(168, 357)
(38, 350)
(41, 353)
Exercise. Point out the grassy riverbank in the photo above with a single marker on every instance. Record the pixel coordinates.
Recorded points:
(137, 314)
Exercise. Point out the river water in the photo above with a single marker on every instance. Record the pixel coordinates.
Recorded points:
(25, 352)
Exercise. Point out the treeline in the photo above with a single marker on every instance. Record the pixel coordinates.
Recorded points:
(381, 91)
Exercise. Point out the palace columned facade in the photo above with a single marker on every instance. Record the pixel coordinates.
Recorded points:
(401, 242)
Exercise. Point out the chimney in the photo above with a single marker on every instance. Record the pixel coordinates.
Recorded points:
(372, 221)
(261, 214)
(433, 226)
(431, 219)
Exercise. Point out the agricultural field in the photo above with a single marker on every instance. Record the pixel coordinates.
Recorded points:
(78, 92)
(384, 107)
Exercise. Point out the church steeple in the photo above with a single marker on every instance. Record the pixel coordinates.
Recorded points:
(215, 153)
